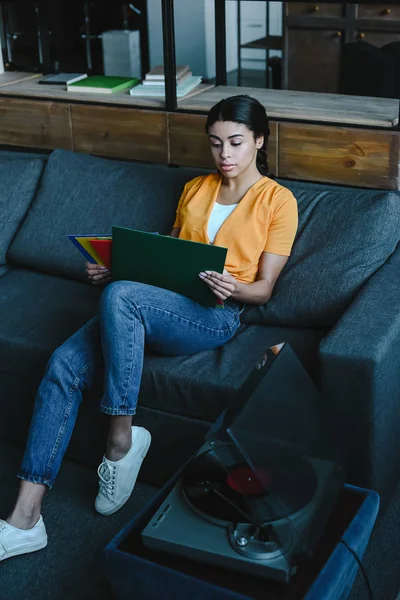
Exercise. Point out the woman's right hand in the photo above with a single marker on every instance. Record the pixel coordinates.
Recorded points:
(97, 274)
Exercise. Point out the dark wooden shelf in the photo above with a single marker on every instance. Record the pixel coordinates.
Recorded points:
(271, 42)
(341, 146)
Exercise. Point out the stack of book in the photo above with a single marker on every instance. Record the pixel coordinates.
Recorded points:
(102, 84)
(154, 83)
(62, 79)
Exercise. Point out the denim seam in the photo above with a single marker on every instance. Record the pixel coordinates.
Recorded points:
(131, 347)
(118, 411)
(196, 325)
(136, 310)
(34, 478)
(109, 410)
(65, 419)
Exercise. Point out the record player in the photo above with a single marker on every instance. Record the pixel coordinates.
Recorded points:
(256, 497)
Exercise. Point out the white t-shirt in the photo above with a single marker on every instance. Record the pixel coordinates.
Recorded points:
(219, 214)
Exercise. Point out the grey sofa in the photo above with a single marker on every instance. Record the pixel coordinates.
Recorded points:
(336, 303)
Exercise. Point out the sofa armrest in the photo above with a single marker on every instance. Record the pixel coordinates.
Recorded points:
(360, 380)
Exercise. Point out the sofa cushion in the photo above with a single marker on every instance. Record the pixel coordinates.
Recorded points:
(19, 179)
(343, 237)
(85, 194)
(197, 386)
(201, 385)
(37, 313)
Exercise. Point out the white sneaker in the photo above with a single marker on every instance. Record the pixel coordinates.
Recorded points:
(15, 541)
(117, 478)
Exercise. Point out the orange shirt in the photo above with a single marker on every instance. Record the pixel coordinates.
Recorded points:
(265, 220)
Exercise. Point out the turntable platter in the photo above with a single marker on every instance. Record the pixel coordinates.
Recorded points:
(281, 484)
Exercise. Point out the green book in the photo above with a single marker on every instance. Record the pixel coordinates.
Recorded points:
(166, 262)
(103, 84)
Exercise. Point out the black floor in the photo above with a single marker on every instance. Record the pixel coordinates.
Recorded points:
(70, 567)
(382, 557)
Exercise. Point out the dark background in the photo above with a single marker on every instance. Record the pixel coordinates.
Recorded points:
(349, 50)
(62, 24)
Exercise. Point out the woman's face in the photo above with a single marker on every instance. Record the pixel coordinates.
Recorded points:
(233, 147)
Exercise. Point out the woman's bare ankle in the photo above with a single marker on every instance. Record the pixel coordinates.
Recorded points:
(119, 438)
(26, 511)
(23, 520)
(118, 446)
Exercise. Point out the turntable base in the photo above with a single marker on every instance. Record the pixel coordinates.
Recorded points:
(209, 542)
(204, 517)
(132, 566)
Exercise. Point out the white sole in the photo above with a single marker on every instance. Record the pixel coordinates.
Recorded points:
(27, 549)
(116, 507)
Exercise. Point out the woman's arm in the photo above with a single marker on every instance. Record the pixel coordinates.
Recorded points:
(226, 286)
(175, 232)
(260, 291)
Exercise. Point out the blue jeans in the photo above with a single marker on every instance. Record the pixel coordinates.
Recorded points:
(130, 316)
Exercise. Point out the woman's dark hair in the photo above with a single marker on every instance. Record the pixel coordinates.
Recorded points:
(250, 112)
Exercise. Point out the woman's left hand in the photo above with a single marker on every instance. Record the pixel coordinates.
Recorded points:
(222, 284)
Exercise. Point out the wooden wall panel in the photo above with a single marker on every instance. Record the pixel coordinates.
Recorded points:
(35, 124)
(189, 144)
(331, 154)
(120, 132)
(339, 155)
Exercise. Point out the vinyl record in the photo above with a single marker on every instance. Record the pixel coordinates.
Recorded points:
(225, 491)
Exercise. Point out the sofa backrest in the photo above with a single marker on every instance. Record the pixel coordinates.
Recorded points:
(83, 194)
(19, 180)
(344, 236)
(15, 154)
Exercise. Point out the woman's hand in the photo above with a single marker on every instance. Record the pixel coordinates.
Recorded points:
(97, 274)
(223, 285)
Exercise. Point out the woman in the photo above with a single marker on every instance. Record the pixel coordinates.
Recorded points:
(240, 208)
